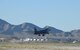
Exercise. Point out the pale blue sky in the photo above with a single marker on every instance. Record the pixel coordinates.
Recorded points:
(61, 14)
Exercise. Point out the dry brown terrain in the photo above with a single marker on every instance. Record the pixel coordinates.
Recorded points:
(39, 46)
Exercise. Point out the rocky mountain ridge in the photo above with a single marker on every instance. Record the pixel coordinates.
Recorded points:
(26, 30)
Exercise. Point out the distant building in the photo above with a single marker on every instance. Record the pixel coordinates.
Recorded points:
(2, 39)
(74, 41)
(33, 39)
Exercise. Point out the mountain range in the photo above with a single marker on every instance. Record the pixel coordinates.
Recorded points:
(25, 30)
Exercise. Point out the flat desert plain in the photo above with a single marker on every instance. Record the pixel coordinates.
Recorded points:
(39, 46)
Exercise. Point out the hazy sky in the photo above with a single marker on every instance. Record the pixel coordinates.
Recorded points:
(61, 14)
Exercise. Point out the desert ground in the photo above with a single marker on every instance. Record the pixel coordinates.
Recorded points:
(39, 46)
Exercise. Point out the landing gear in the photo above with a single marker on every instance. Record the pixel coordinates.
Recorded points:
(42, 34)
(39, 35)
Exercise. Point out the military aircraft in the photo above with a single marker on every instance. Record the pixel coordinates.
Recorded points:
(41, 32)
